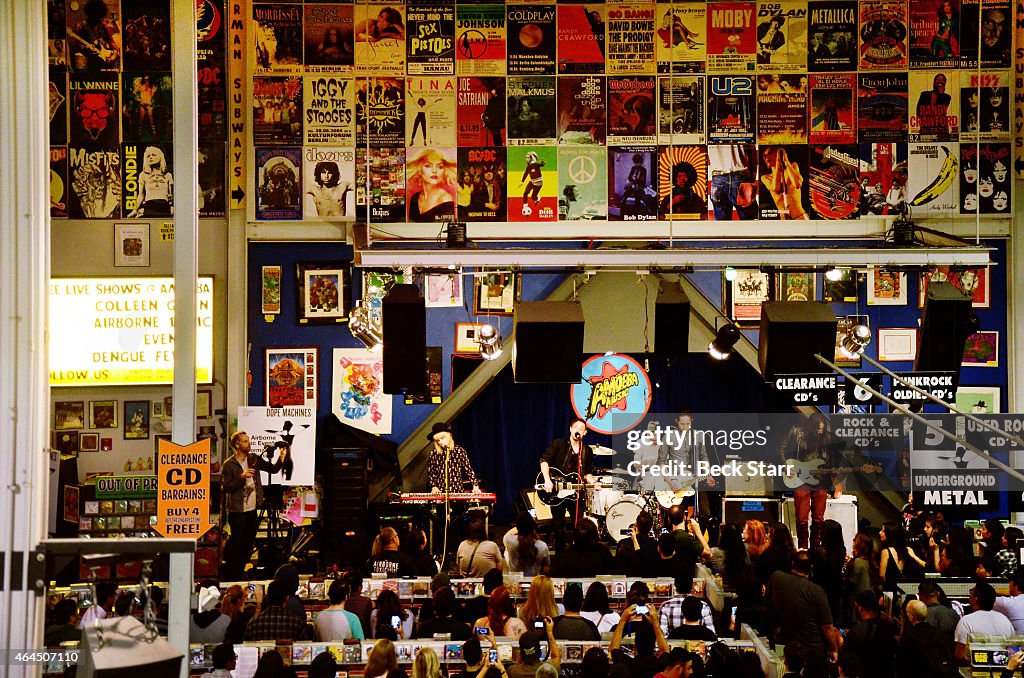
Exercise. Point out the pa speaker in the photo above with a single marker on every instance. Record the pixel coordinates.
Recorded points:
(671, 321)
(945, 326)
(549, 342)
(404, 323)
(791, 333)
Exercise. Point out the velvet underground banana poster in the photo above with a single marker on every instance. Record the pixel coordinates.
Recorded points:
(933, 186)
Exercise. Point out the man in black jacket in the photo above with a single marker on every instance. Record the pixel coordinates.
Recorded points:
(923, 651)
(568, 455)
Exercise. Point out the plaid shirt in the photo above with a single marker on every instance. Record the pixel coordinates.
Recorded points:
(1008, 560)
(671, 615)
(459, 469)
(276, 623)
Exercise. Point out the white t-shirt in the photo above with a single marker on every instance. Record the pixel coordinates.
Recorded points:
(332, 625)
(92, 615)
(1012, 607)
(478, 558)
(991, 623)
(604, 623)
(250, 488)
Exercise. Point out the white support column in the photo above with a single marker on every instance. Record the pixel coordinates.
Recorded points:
(25, 262)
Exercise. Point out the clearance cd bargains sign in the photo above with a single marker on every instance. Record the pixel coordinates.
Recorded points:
(183, 490)
(120, 331)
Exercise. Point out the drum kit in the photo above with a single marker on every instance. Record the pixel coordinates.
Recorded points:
(617, 500)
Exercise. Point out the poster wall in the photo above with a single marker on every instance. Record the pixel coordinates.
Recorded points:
(357, 396)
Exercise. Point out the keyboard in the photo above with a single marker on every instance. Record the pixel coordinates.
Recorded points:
(430, 497)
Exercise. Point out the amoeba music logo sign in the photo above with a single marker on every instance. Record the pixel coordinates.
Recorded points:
(613, 394)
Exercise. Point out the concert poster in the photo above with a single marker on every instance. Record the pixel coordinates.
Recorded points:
(94, 173)
(985, 181)
(276, 110)
(680, 37)
(782, 109)
(882, 107)
(531, 111)
(835, 181)
(883, 35)
(330, 45)
(146, 34)
(740, 161)
(278, 183)
(479, 40)
(582, 103)
(429, 103)
(996, 26)
(781, 36)
(581, 39)
(934, 33)
(681, 109)
(210, 198)
(633, 183)
(832, 36)
(932, 186)
(747, 291)
(329, 118)
(683, 183)
(532, 39)
(630, 45)
(328, 183)
(431, 181)
(430, 45)
(211, 34)
(380, 39)
(380, 111)
(358, 397)
(147, 174)
(783, 189)
(146, 106)
(57, 33)
(386, 183)
(480, 113)
(212, 100)
(731, 108)
(58, 182)
(935, 97)
(582, 183)
(92, 43)
(434, 392)
(984, 115)
(833, 115)
(883, 178)
(57, 94)
(631, 110)
(732, 37)
(94, 107)
(482, 175)
(277, 38)
(532, 183)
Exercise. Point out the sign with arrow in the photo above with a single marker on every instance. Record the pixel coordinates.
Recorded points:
(183, 490)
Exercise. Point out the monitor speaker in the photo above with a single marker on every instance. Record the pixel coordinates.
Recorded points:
(945, 325)
(791, 333)
(671, 321)
(404, 322)
(549, 342)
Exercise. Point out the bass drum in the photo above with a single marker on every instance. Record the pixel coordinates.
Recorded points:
(603, 499)
(621, 516)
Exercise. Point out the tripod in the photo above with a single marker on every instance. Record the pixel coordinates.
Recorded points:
(273, 549)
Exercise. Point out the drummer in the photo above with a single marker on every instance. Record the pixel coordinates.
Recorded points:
(691, 451)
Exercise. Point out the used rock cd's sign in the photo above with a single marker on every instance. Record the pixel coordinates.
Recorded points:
(613, 394)
(183, 491)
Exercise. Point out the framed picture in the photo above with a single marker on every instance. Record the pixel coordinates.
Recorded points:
(323, 293)
(131, 244)
(981, 350)
(843, 290)
(977, 399)
(89, 442)
(744, 294)
(291, 376)
(886, 288)
(156, 442)
(69, 415)
(71, 503)
(465, 337)
(67, 444)
(496, 292)
(974, 282)
(204, 404)
(136, 420)
(102, 414)
(270, 290)
(158, 409)
(106, 444)
(897, 344)
(377, 284)
(795, 286)
(443, 290)
(843, 326)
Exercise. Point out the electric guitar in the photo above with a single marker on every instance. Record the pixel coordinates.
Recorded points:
(669, 498)
(809, 472)
(105, 54)
(566, 487)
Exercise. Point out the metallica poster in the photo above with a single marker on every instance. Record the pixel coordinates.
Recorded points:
(832, 36)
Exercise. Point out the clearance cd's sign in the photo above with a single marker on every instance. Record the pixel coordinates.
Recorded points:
(120, 331)
(613, 395)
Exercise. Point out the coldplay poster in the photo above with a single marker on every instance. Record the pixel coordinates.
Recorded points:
(532, 39)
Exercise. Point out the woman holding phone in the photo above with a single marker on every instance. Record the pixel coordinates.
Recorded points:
(501, 617)
(389, 611)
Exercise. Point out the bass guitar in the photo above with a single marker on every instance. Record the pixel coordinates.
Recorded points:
(566, 487)
(810, 472)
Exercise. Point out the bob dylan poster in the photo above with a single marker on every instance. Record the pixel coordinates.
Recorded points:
(985, 184)
(934, 33)
(883, 35)
(833, 112)
(832, 36)
(783, 190)
(479, 39)
(882, 107)
(581, 39)
(531, 111)
(935, 96)
(681, 109)
(730, 108)
(732, 37)
(781, 37)
(835, 181)
(329, 38)
(782, 109)
(330, 114)
(482, 178)
(683, 183)
(532, 40)
(277, 34)
(431, 40)
(582, 103)
(380, 111)
(380, 35)
(680, 37)
(278, 183)
(633, 183)
(631, 110)
(630, 47)
(386, 181)
(582, 183)
(480, 112)
(883, 178)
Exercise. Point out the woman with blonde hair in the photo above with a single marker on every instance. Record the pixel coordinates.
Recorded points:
(755, 537)
(426, 664)
(540, 602)
(383, 659)
(432, 180)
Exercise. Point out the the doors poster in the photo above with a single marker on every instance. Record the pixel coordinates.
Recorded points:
(329, 102)
(883, 178)
(631, 110)
(581, 44)
(329, 38)
(582, 183)
(293, 426)
(482, 178)
(479, 39)
(985, 186)
(832, 36)
(480, 113)
(431, 39)
(732, 37)
(782, 109)
(94, 174)
(883, 35)
(731, 107)
(532, 39)
(277, 35)
(932, 179)
(431, 179)
(531, 111)
(835, 181)
(277, 110)
(633, 183)
(936, 105)
(429, 103)
(881, 107)
(94, 110)
(683, 183)
(279, 183)
(380, 111)
(383, 172)
(681, 109)
(934, 33)
(328, 176)
(58, 182)
(680, 37)
(532, 183)
(784, 187)
(630, 45)
(984, 115)
(380, 39)
(781, 36)
(582, 106)
(357, 396)
(833, 111)
(146, 107)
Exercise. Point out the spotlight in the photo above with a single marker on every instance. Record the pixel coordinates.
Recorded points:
(490, 342)
(730, 273)
(363, 329)
(834, 274)
(725, 338)
(853, 343)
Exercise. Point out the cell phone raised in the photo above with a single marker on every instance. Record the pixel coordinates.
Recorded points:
(642, 609)
(481, 631)
(538, 623)
(396, 621)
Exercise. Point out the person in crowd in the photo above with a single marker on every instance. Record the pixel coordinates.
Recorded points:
(586, 557)
(385, 558)
(955, 557)
(992, 531)
(426, 664)
(288, 575)
(540, 601)
(525, 551)
(271, 665)
(324, 665)
(666, 564)
(274, 622)
(444, 621)
(208, 625)
(476, 607)
(922, 650)
(390, 612)
(106, 594)
(637, 554)
(477, 661)
(779, 554)
(356, 603)
(827, 562)
(649, 643)
(336, 623)
(670, 616)
(982, 619)
(441, 580)
(529, 652)
(233, 604)
(756, 539)
(571, 625)
(940, 617)
(595, 663)
(985, 567)
(729, 557)
(63, 629)
(477, 555)
(750, 605)
(426, 566)
(859, 572)
(568, 455)
(224, 660)
(794, 656)
(680, 663)
(124, 603)
(382, 661)
(596, 607)
(1012, 606)
(801, 607)
(501, 617)
(690, 543)
(1007, 555)
(873, 638)
(897, 562)
(692, 627)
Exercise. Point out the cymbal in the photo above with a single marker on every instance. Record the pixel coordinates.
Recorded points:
(603, 451)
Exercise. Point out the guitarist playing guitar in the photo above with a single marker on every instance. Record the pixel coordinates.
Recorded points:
(811, 440)
(98, 39)
(570, 455)
(688, 450)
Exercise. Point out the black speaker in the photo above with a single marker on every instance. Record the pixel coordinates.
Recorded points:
(549, 342)
(671, 321)
(791, 333)
(404, 321)
(945, 325)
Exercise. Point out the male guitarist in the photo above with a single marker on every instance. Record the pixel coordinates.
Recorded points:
(809, 441)
(98, 39)
(569, 455)
(690, 450)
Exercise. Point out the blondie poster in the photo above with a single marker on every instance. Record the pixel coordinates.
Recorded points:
(581, 43)
(279, 183)
(582, 183)
(633, 183)
(328, 183)
(58, 182)
(429, 103)
(582, 104)
(984, 115)
(380, 111)
(833, 111)
(731, 108)
(934, 33)
(431, 39)
(631, 110)
(431, 178)
(784, 186)
(681, 109)
(531, 111)
(296, 426)
(883, 178)
(148, 180)
(782, 109)
(832, 36)
(479, 39)
(480, 111)
(329, 102)
(935, 96)
(835, 181)
(781, 36)
(329, 38)
(881, 107)
(277, 38)
(683, 183)
(94, 110)
(383, 173)
(533, 183)
(277, 110)
(481, 192)
(996, 26)
(732, 37)
(380, 36)
(357, 395)
(932, 186)
(94, 174)
(883, 35)
(985, 182)
(630, 44)
(681, 37)
(532, 39)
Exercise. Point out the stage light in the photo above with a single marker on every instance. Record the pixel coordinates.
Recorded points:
(854, 341)
(834, 274)
(730, 273)
(363, 329)
(490, 342)
(725, 338)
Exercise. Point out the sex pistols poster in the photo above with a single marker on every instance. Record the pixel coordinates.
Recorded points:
(479, 39)
(732, 37)
(883, 35)
(680, 37)
(630, 44)
(431, 39)
(781, 36)
(832, 36)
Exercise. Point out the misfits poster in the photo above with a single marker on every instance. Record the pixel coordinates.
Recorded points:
(883, 178)
(380, 39)
(328, 188)
(329, 39)
(985, 185)
(330, 110)
(935, 96)
(277, 110)
(532, 40)
(835, 181)
(631, 110)
(934, 33)
(784, 186)
(95, 176)
(429, 103)
(532, 183)
(582, 183)
(731, 109)
(681, 109)
(732, 37)
(683, 183)
(581, 38)
(582, 104)
(881, 107)
(357, 395)
(883, 35)
(380, 111)
(933, 186)
(277, 35)
(833, 112)
(681, 37)
(480, 111)
(268, 427)
(431, 40)
(531, 111)
(782, 109)
(94, 110)
(479, 39)
(832, 36)
(279, 183)
(482, 178)
(630, 44)
(781, 36)
(633, 183)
